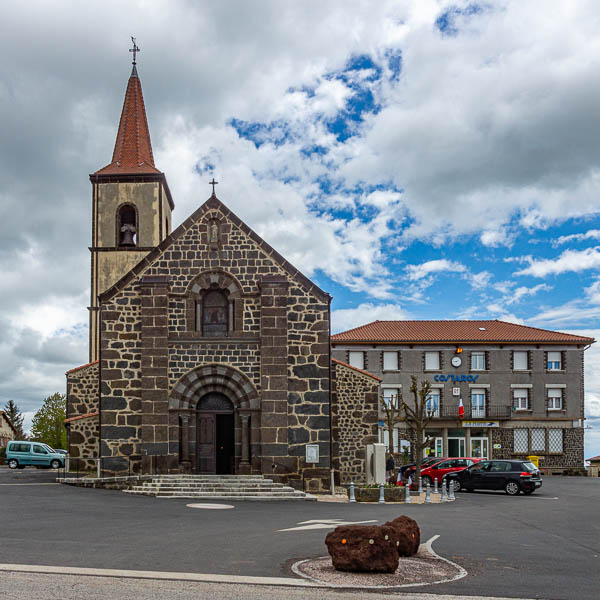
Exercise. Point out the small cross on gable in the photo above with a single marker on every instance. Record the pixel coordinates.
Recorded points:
(135, 49)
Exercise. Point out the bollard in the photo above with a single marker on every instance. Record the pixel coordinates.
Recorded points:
(451, 495)
(67, 464)
(428, 494)
(407, 495)
(99, 468)
(381, 494)
(444, 498)
(420, 484)
(352, 498)
(435, 486)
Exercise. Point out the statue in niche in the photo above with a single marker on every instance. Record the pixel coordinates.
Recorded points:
(214, 233)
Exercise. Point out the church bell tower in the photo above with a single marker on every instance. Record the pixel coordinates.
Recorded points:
(131, 204)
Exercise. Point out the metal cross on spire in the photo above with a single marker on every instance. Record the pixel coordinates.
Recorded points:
(135, 49)
(213, 183)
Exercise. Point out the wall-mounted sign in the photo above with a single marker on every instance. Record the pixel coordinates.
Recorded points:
(312, 453)
(481, 423)
(456, 378)
(456, 391)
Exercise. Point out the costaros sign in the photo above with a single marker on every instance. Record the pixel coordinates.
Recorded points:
(456, 378)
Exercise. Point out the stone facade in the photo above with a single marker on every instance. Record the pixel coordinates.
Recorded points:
(7, 430)
(272, 363)
(82, 420)
(354, 408)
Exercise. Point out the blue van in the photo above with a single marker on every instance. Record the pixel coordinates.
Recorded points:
(22, 454)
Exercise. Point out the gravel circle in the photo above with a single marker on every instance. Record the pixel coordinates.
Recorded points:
(424, 568)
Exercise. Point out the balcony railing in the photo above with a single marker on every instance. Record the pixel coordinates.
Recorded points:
(490, 412)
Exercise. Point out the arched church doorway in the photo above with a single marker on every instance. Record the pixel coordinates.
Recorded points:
(216, 443)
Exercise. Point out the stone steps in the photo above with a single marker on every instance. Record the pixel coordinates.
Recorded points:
(217, 487)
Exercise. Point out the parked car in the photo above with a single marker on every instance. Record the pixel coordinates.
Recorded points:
(442, 468)
(22, 454)
(412, 467)
(512, 476)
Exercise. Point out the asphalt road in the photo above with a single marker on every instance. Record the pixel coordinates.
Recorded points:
(542, 546)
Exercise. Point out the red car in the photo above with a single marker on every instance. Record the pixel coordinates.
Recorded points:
(449, 465)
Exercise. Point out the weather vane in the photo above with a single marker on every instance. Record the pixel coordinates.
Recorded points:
(213, 183)
(135, 49)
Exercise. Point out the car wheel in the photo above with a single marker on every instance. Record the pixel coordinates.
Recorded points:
(426, 480)
(512, 488)
(12, 464)
(55, 464)
(457, 486)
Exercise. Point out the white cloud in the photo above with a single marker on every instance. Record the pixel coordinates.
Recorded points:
(592, 234)
(521, 292)
(441, 265)
(348, 318)
(569, 260)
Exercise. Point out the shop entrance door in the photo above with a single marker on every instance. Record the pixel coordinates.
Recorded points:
(456, 446)
(480, 448)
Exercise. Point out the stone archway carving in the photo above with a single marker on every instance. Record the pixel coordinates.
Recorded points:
(222, 379)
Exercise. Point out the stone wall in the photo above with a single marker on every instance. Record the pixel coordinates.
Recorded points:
(82, 434)
(355, 400)
(573, 446)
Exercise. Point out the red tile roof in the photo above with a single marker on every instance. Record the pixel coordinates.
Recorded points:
(81, 367)
(454, 332)
(133, 149)
(339, 362)
(94, 414)
(594, 459)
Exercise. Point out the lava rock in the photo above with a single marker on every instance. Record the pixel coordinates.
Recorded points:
(408, 534)
(363, 548)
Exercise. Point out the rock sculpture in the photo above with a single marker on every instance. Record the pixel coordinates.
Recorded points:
(408, 533)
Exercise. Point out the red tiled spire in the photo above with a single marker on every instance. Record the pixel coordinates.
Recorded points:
(133, 149)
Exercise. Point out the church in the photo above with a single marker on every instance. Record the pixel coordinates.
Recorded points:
(208, 352)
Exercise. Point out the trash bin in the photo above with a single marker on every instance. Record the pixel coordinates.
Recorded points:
(535, 460)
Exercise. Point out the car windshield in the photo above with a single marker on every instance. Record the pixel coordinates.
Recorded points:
(529, 466)
(51, 450)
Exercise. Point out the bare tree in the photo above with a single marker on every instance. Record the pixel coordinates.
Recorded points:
(417, 417)
(392, 410)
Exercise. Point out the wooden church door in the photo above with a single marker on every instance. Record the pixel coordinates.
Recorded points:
(207, 443)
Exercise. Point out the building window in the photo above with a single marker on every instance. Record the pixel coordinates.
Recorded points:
(520, 360)
(432, 361)
(357, 359)
(390, 361)
(520, 441)
(432, 404)
(391, 397)
(477, 403)
(554, 399)
(478, 361)
(215, 313)
(554, 361)
(538, 440)
(521, 399)
(555, 440)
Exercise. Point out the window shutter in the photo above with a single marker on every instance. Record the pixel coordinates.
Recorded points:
(529, 398)
(563, 360)
(529, 359)
(512, 360)
(545, 361)
(487, 360)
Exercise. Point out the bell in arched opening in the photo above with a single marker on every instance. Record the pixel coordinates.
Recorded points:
(127, 226)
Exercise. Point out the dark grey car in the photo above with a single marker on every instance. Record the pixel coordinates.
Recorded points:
(512, 476)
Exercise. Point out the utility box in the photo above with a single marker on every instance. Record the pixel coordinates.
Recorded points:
(375, 459)
(535, 460)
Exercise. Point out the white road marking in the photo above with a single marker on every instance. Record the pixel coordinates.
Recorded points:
(325, 524)
(210, 506)
(205, 577)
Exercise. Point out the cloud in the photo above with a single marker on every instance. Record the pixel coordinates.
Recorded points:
(348, 318)
(592, 234)
(442, 265)
(569, 260)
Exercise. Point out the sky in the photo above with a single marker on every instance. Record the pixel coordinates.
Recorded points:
(423, 159)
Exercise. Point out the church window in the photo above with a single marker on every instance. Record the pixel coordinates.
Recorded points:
(215, 314)
(127, 226)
